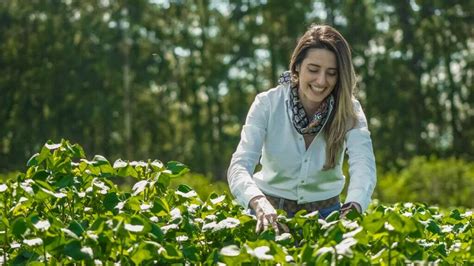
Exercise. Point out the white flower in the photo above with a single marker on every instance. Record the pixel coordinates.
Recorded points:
(52, 146)
(33, 242)
(26, 186)
(175, 214)
(42, 225)
(230, 251)
(166, 228)
(446, 228)
(311, 214)
(69, 233)
(3, 187)
(282, 237)
(408, 205)
(260, 252)
(352, 233)
(139, 187)
(324, 250)
(326, 225)
(98, 262)
(120, 205)
(187, 195)
(181, 238)
(344, 247)
(157, 163)
(119, 164)
(88, 251)
(192, 208)
(154, 219)
(209, 226)
(145, 206)
(456, 247)
(218, 199)
(349, 224)
(92, 235)
(134, 228)
(388, 227)
(15, 245)
(227, 223)
(407, 214)
(211, 217)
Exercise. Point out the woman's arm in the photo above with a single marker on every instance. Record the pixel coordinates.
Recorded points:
(362, 168)
(248, 152)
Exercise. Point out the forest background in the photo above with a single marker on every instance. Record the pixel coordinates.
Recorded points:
(173, 80)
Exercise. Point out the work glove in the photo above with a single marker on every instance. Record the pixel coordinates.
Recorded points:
(265, 213)
(347, 207)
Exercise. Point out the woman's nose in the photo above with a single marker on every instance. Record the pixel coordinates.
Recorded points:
(321, 79)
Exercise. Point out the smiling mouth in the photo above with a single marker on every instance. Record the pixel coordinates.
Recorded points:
(317, 89)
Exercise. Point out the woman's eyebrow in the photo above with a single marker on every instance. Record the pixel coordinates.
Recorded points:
(316, 65)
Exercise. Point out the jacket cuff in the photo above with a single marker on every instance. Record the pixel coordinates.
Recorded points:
(248, 194)
(360, 196)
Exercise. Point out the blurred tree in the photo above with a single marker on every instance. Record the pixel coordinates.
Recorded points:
(173, 80)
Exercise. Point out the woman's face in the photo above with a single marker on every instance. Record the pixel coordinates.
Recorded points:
(317, 76)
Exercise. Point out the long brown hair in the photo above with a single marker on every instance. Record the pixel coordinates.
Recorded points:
(343, 116)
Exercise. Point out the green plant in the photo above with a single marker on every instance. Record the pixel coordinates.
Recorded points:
(66, 209)
(444, 182)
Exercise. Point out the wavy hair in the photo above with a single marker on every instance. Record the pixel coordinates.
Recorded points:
(343, 117)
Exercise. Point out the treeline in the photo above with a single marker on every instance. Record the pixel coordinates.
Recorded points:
(174, 79)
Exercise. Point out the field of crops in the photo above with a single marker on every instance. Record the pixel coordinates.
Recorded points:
(66, 208)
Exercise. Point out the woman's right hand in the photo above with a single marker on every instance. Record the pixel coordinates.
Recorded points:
(266, 214)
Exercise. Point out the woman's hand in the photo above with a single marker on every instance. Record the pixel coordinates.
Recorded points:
(266, 214)
(347, 207)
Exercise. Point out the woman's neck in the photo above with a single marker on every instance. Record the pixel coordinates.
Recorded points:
(309, 107)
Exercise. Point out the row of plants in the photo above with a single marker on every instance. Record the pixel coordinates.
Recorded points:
(66, 208)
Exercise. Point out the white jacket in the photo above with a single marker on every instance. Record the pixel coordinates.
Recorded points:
(289, 170)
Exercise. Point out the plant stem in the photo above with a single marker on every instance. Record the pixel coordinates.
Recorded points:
(6, 230)
(389, 249)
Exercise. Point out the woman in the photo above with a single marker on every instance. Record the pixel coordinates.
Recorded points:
(301, 129)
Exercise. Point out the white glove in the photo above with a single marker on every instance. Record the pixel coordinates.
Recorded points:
(266, 214)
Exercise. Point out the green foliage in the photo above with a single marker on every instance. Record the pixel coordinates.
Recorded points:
(203, 185)
(66, 209)
(434, 181)
(175, 79)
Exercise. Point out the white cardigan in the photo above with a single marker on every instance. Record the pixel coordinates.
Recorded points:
(289, 170)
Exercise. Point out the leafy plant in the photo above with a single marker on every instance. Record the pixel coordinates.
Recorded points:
(66, 208)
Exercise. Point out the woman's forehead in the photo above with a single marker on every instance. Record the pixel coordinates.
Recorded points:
(321, 58)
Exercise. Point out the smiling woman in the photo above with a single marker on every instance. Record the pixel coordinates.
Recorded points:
(301, 129)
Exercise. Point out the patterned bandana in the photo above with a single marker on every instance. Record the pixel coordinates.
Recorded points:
(301, 122)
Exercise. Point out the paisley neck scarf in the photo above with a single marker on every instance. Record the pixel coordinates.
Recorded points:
(301, 122)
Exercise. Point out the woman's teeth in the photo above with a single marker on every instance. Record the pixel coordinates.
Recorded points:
(317, 89)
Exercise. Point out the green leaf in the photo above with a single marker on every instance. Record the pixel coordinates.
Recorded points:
(76, 228)
(33, 161)
(172, 253)
(75, 250)
(156, 232)
(110, 201)
(160, 207)
(19, 226)
(141, 254)
(177, 168)
(433, 227)
(191, 253)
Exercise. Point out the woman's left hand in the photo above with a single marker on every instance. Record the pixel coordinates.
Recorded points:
(347, 207)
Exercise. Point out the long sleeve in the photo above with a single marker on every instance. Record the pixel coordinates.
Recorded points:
(248, 152)
(362, 168)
